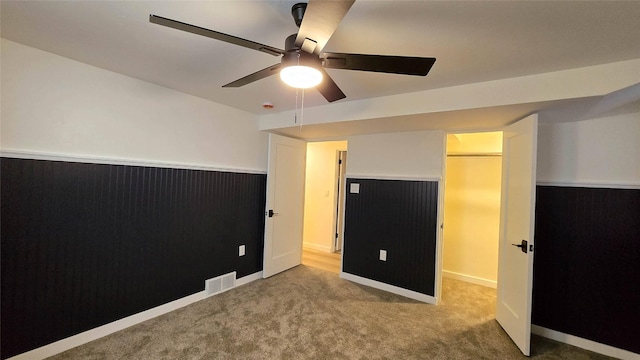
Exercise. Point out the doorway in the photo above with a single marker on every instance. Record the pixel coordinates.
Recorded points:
(472, 196)
(324, 205)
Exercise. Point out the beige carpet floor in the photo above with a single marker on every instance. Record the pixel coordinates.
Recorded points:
(307, 313)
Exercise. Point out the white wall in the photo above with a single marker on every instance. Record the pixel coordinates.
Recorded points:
(599, 152)
(55, 105)
(320, 194)
(415, 154)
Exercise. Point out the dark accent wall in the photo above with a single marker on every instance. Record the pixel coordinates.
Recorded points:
(398, 216)
(587, 264)
(87, 244)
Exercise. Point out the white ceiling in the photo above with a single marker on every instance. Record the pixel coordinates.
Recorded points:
(473, 41)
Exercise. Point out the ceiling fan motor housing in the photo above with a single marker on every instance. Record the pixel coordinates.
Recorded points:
(295, 56)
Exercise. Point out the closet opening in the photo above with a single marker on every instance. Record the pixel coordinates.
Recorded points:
(473, 173)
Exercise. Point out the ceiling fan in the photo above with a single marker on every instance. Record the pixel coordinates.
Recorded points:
(302, 60)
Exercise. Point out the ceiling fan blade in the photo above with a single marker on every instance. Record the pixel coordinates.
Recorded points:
(321, 18)
(266, 72)
(329, 89)
(406, 65)
(215, 35)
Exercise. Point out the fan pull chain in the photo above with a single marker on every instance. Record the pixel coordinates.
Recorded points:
(302, 110)
(295, 115)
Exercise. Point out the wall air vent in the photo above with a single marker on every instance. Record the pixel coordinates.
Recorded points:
(220, 284)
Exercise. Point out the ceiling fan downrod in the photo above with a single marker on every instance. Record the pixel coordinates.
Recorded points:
(297, 11)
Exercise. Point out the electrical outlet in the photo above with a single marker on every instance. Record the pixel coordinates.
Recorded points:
(241, 250)
(383, 255)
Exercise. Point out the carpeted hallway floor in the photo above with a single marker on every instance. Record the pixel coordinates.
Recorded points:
(307, 313)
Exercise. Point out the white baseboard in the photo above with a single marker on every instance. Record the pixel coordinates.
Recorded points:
(470, 279)
(249, 278)
(389, 288)
(316, 247)
(110, 328)
(584, 343)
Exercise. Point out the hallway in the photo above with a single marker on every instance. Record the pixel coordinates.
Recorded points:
(321, 260)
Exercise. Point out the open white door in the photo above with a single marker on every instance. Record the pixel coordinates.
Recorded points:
(517, 212)
(285, 204)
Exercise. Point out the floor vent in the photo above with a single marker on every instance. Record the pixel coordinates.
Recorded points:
(220, 284)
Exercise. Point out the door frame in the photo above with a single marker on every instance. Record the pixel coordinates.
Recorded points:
(334, 217)
(440, 224)
(339, 203)
(444, 176)
(441, 214)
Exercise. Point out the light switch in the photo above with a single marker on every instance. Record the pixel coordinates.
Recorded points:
(354, 188)
(241, 250)
(383, 255)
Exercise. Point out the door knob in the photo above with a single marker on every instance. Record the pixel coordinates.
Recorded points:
(270, 213)
(522, 246)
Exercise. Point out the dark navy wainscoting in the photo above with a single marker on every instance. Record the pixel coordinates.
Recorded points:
(587, 264)
(398, 216)
(87, 244)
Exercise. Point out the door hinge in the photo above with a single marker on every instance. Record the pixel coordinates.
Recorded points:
(339, 161)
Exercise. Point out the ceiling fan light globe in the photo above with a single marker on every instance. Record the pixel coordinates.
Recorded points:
(301, 77)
